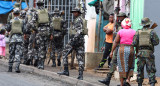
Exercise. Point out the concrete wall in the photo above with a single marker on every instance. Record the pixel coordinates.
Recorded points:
(92, 60)
(151, 10)
(91, 17)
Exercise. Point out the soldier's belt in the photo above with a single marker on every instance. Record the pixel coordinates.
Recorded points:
(145, 48)
(144, 53)
(150, 51)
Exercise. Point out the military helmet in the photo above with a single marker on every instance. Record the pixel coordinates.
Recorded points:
(121, 14)
(76, 9)
(56, 11)
(16, 10)
(40, 2)
(145, 21)
(23, 13)
(16, 5)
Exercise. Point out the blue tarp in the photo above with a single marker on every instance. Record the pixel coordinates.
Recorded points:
(7, 6)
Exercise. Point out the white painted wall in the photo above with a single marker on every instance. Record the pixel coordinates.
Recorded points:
(91, 17)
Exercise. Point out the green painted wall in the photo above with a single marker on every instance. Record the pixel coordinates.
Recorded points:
(136, 14)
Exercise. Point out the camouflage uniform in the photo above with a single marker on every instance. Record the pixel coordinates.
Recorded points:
(15, 41)
(32, 49)
(56, 44)
(145, 52)
(43, 20)
(77, 44)
(26, 40)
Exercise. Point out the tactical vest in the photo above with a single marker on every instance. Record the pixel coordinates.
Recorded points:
(16, 27)
(43, 16)
(84, 28)
(145, 38)
(57, 23)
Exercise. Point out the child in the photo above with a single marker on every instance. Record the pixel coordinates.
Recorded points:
(2, 43)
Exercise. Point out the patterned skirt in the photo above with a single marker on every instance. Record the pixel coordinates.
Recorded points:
(125, 60)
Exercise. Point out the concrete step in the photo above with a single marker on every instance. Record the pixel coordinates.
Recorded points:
(106, 71)
(102, 69)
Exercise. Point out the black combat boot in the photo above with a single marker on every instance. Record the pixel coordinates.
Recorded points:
(17, 69)
(10, 69)
(59, 62)
(152, 84)
(54, 63)
(139, 84)
(42, 64)
(35, 63)
(80, 77)
(28, 62)
(65, 72)
(106, 81)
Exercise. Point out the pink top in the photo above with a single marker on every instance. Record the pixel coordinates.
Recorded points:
(2, 40)
(126, 36)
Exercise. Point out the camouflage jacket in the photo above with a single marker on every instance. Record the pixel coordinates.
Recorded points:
(154, 41)
(77, 26)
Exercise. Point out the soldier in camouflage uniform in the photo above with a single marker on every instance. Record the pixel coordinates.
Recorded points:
(11, 16)
(118, 26)
(16, 29)
(60, 30)
(26, 37)
(144, 41)
(44, 32)
(30, 49)
(76, 43)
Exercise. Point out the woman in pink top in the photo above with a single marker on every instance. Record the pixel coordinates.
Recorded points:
(2, 43)
(125, 56)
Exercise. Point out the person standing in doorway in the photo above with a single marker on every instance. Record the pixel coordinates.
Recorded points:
(108, 29)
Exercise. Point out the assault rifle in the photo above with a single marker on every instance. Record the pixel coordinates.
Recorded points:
(154, 26)
(73, 41)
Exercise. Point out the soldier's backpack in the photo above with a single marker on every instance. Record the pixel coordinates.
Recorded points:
(16, 27)
(57, 23)
(84, 28)
(144, 38)
(43, 16)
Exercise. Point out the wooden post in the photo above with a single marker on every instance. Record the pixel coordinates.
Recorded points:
(99, 24)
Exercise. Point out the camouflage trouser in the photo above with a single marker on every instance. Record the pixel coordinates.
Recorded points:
(25, 47)
(113, 62)
(42, 43)
(32, 47)
(15, 51)
(79, 55)
(57, 45)
(150, 67)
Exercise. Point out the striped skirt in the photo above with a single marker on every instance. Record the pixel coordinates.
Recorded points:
(125, 60)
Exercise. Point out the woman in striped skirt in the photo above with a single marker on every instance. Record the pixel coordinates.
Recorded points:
(125, 58)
